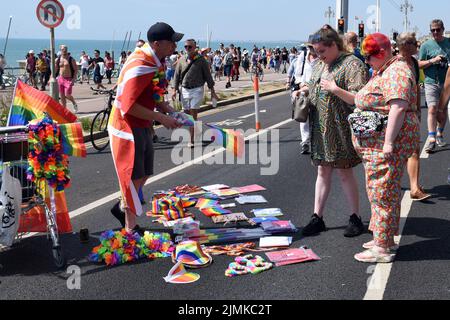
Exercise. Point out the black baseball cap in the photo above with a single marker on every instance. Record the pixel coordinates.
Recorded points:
(163, 31)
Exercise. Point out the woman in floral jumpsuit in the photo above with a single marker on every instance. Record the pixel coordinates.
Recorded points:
(390, 92)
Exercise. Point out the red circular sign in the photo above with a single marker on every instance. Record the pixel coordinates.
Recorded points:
(50, 13)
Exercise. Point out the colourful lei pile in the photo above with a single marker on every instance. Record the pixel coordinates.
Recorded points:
(121, 247)
(46, 158)
(160, 85)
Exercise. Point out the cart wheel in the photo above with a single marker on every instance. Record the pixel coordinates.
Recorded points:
(58, 258)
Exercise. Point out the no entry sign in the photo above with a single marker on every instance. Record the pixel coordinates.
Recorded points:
(50, 13)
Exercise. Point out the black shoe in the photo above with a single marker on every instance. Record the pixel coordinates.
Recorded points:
(355, 227)
(315, 226)
(118, 214)
(305, 149)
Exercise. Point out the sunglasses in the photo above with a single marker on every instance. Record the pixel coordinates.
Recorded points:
(188, 47)
(436, 30)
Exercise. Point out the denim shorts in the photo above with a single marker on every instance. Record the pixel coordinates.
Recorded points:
(433, 94)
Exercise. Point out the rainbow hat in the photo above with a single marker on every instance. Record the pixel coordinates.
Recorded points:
(191, 255)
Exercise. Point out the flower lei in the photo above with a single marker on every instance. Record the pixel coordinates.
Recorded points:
(121, 247)
(46, 158)
(160, 85)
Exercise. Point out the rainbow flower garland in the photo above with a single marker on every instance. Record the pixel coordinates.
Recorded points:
(121, 247)
(160, 85)
(46, 158)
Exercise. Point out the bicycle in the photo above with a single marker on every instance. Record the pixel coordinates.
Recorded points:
(99, 126)
(257, 71)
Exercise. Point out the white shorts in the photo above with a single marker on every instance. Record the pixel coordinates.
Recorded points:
(192, 99)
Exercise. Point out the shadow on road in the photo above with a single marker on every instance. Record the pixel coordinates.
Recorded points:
(437, 243)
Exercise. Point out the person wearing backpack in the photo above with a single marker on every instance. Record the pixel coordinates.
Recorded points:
(228, 66)
(42, 68)
(66, 73)
(99, 70)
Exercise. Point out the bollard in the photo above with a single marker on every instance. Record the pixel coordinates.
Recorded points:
(256, 88)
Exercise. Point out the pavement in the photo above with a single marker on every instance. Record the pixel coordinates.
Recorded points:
(419, 272)
(89, 104)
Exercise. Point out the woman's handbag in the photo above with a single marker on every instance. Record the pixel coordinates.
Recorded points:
(301, 107)
(367, 124)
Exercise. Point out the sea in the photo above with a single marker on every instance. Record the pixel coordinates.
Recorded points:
(18, 48)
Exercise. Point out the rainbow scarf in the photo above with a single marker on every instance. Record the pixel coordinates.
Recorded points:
(231, 140)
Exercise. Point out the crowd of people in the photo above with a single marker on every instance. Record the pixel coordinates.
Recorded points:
(379, 86)
(377, 82)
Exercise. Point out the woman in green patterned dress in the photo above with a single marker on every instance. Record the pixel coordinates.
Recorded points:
(335, 81)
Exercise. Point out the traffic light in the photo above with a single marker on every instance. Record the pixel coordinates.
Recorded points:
(341, 26)
(361, 30)
(394, 36)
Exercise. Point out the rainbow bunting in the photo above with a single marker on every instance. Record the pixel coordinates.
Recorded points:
(215, 211)
(29, 103)
(72, 140)
(232, 140)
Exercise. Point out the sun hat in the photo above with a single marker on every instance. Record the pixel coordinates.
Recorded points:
(191, 255)
(31, 52)
(179, 275)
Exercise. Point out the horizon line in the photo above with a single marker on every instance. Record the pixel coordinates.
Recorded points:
(203, 40)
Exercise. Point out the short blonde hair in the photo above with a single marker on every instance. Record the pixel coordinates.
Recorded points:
(405, 37)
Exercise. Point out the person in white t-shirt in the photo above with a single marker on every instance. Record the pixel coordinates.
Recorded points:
(84, 62)
(303, 66)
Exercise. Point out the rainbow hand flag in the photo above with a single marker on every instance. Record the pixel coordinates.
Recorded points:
(232, 140)
(215, 211)
(29, 104)
(72, 140)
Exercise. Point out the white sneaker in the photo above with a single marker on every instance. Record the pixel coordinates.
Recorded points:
(441, 142)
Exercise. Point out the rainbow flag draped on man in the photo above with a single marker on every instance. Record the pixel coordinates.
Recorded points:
(139, 70)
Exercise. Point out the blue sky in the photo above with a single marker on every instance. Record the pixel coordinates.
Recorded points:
(243, 20)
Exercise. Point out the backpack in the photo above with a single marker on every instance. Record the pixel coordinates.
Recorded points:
(72, 70)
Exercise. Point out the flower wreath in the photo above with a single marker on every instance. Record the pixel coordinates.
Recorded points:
(160, 85)
(46, 159)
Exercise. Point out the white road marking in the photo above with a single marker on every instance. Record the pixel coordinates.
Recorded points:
(251, 115)
(170, 172)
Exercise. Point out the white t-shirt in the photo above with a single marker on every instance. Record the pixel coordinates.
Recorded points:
(171, 61)
(84, 61)
(307, 73)
(217, 61)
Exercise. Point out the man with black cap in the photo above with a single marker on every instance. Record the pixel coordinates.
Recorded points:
(140, 90)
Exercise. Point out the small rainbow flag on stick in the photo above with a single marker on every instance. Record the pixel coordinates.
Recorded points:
(72, 140)
(232, 140)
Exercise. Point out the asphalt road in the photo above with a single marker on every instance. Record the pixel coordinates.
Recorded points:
(420, 271)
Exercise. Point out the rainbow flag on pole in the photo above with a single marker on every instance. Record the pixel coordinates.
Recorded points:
(232, 140)
(29, 104)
